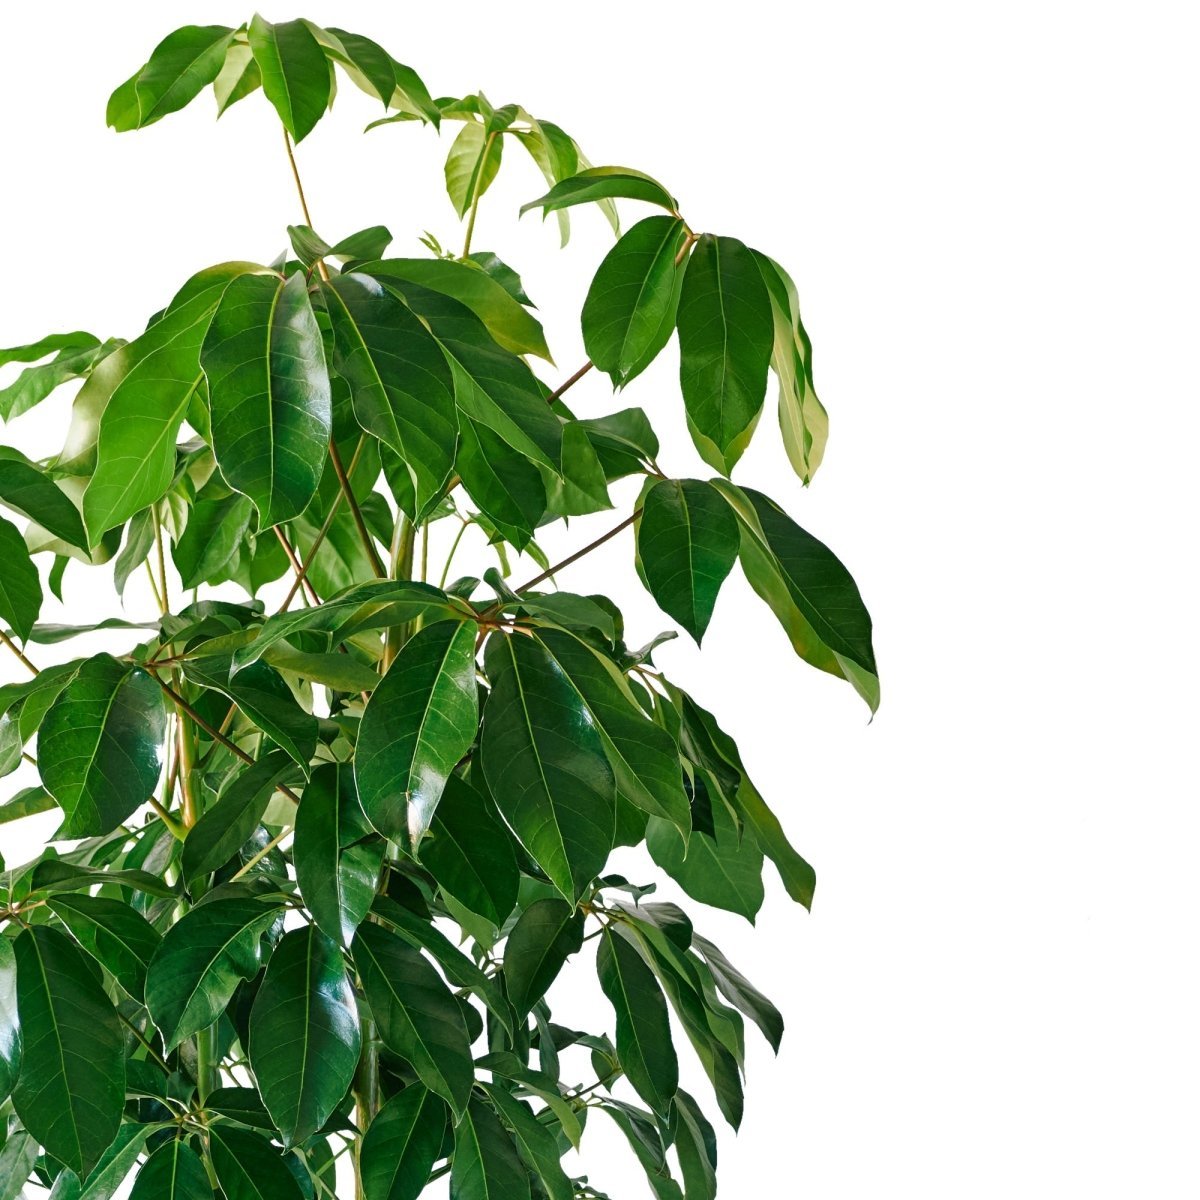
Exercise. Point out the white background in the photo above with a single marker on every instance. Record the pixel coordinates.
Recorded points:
(991, 214)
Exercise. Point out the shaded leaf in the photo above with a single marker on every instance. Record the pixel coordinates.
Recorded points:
(117, 936)
(20, 585)
(546, 934)
(485, 1165)
(402, 1144)
(173, 1172)
(10, 1026)
(248, 1168)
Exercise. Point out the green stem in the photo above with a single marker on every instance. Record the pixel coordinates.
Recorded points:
(458, 537)
(366, 1095)
(475, 194)
(18, 652)
(206, 1062)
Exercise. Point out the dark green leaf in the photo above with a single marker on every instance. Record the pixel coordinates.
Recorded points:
(173, 1172)
(643, 1026)
(536, 1143)
(507, 1065)
(139, 541)
(645, 1139)
(603, 183)
(546, 934)
(217, 528)
(402, 1144)
(71, 1088)
(182, 65)
(741, 993)
(687, 543)
(336, 871)
(421, 720)
(77, 354)
(118, 937)
(10, 1026)
(371, 242)
(25, 487)
(26, 803)
(506, 486)
(630, 308)
(545, 764)
(491, 264)
(203, 957)
(295, 73)
(304, 1033)
(103, 1182)
(696, 1145)
(417, 1016)
(20, 586)
(485, 1164)
(100, 746)
(248, 1168)
(269, 393)
(726, 332)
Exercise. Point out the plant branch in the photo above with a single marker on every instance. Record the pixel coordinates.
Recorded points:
(566, 562)
(570, 383)
(251, 863)
(297, 566)
(363, 532)
(18, 652)
(476, 191)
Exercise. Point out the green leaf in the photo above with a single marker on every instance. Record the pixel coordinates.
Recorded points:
(643, 757)
(203, 957)
(142, 393)
(100, 747)
(304, 1033)
(20, 585)
(103, 1182)
(402, 1143)
(218, 526)
(506, 1065)
(295, 73)
(27, 802)
(808, 589)
(470, 853)
(630, 308)
(491, 264)
(336, 870)
(182, 65)
(687, 543)
(248, 1168)
(368, 243)
(726, 332)
(741, 993)
(485, 1165)
(536, 1143)
(545, 765)
(696, 1145)
(603, 183)
(269, 394)
(238, 78)
(417, 1016)
(71, 1088)
(506, 318)
(367, 63)
(472, 164)
(506, 486)
(17, 1158)
(546, 934)
(643, 1024)
(802, 417)
(229, 824)
(117, 936)
(10, 1026)
(173, 1172)
(77, 354)
(421, 720)
(399, 381)
(645, 1139)
(28, 489)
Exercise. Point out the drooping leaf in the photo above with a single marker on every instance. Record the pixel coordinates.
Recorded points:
(336, 870)
(696, 1145)
(545, 765)
(485, 1165)
(173, 1172)
(415, 1012)
(100, 747)
(507, 487)
(203, 957)
(536, 1143)
(181, 66)
(24, 486)
(295, 73)
(20, 586)
(741, 993)
(645, 1139)
(726, 332)
(248, 1168)
(238, 78)
(217, 529)
(378, 69)
(687, 543)
(603, 183)
(10, 1025)
(72, 1084)
(421, 720)
(77, 354)
(304, 1033)
(546, 934)
(630, 308)
(402, 1144)
(114, 934)
(269, 393)
(643, 1025)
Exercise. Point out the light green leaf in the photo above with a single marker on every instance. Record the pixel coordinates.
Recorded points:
(603, 183)
(472, 164)
(402, 1144)
(77, 354)
(17, 1158)
(421, 720)
(295, 73)
(238, 78)
(20, 585)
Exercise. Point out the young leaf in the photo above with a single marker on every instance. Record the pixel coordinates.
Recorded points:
(20, 586)
(100, 746)
(415, 1012)
(304, 1033)
(402, 1144)
(485, 1165)
(472, 164)
(269, 394)
(295, 73)
(545, 765)
(71, 1089)
(546, 934)
(10, 1026)
(687, 543)
(603, 183)
(238, 78)
(247, 1166)
(117, 936)
(173, 1172)
(421, 720)
(630, 308)
(726, 331)
(181, 66)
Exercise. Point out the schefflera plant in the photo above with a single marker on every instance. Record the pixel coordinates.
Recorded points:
(320, 861)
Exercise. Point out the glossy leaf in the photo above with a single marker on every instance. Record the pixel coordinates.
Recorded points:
(546, 934)
(17, 1157)
(248, 1168)
(485, 1165)
(117, 936)
(630, 308)
(643, 1025)
(101, 745)
(687, 543)
(402, 1144)
(726, 333)
(416, 1014)
(545, 765)
(203, 957)
(472, 164)
(71, 1089)
(269, 393)
(217, 528)
(29, 490)
(10, 1025)
(295, 73)
(421, 720)
(506, 487)
(304, 1033)
(603, 183)
(20, 586)
(173, 1172)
